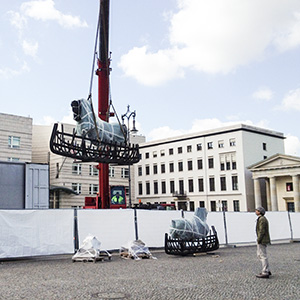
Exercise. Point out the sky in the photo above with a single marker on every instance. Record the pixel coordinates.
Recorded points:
(183, 65)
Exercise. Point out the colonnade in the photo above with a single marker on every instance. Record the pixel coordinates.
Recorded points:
(271, 193)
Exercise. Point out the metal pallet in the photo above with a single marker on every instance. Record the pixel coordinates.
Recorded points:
(184, 247)
(89, 150)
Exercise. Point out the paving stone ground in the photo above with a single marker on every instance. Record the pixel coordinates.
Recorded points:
(228, 274)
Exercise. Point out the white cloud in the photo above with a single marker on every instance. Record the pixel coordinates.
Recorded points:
(291, 101)
(7, 73)
(163, 132)
(17, 20)
(263, 93)
(30, 48)
(218, 37)
(45, 11)
(292, 145)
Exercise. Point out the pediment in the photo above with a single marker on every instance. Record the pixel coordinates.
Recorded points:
(277, 161)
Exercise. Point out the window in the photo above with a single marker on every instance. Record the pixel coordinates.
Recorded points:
(154, 153)
(171, 165)
(224, 205)
(291, 206)
(189, 148)
(234, 165)
(200, 164)
(148, 188)
(191, 185)
(232, 142)
(111, 171)
(163, 168)
(93, 171)
(140, 172)
(210, 145)
(289, 186)
(181, 187)
(236, 205)
(179, 150)
(147, 170)
(264, 145)
(162, 152)
(154, 169)
(163, 187)
(14, 142)
(200, 185)
(190, 165)
(213, 205)
(171, 151)
(199, 147)
(221, 144)
(180, 166)
(93, 189)
(223, 183)
(210, 163)
(172, 186)
(192, 206)
(147, 154)
(124, 172)
(222, 166)
(212, 184)
(140, 188)
(76, 169)
(13, 159)
(201, 204)
(227, 165)
(155, 187)
(76, 187)
(234, 183)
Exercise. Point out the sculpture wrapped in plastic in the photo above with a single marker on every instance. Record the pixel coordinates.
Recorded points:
(135, 250)
(90, 251)
(194, 228)
(83, 115)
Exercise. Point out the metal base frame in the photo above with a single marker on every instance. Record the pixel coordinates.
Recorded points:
(186, 247)
(89, 150)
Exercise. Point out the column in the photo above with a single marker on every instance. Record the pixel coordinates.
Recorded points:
(269, 204)
(257, 193)
(273, 194)
(296, 193)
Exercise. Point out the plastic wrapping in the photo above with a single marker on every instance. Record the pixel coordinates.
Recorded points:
(90, 251)
(135, 250)
(83, 114)
(194, 228)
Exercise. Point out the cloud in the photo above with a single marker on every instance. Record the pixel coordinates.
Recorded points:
(198, 125)
(291, 101)
(292, 145)
(217, 37)
(30, 48)
(263, 94)
(6, 73)
(45, 11)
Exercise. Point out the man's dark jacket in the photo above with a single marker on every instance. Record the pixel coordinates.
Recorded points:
(262, 230)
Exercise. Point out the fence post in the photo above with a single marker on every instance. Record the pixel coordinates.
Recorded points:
(291, 228)
(136, 225)
(75, 233)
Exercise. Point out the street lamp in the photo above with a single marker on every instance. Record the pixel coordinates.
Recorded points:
(128, 115)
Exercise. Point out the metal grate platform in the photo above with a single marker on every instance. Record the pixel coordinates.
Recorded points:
(88, 150)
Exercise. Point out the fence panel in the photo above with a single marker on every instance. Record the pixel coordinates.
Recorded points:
(112, 227)
(295, 220)
(35, 232)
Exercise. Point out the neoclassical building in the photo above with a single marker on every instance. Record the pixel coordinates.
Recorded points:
(276, 183)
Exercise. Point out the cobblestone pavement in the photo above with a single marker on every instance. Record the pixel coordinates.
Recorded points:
(228, 274)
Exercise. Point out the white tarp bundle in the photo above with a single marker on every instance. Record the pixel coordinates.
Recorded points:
(136, 250)
(193, 228)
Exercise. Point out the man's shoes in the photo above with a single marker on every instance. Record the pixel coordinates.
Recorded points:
(263, 275)
(267, 273)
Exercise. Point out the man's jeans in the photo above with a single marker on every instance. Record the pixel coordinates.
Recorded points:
(262, 256)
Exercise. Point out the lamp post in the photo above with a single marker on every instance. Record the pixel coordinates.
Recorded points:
(128, 115)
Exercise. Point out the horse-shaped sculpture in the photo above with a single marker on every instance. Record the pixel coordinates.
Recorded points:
(83, 115)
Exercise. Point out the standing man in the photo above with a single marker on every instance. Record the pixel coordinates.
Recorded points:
(263, 238)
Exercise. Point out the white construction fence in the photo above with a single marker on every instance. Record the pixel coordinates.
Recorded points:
(26, 233)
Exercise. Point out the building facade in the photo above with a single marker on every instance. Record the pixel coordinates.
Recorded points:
(276, 183)
(15, 138)
(71, 181)
(207, 169)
